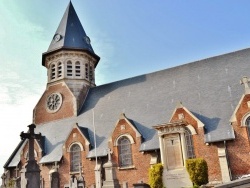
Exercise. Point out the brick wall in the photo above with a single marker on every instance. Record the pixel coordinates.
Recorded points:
(68, 108)
(207, 152)
(239, 149)
(141, 161)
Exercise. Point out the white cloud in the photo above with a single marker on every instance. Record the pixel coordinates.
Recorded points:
(21, 81)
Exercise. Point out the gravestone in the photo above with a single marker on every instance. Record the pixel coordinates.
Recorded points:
(3, 177)
(80, 179)
(54, 177)
(31, 172)
(54, 183)
(17, 182)
(73, 182)
(111, 180)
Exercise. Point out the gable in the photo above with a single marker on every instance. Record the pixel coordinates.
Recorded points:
(77, 136)
(124, 127)
(21, 152)
(67, 108)
(181, 113)
(242, 110)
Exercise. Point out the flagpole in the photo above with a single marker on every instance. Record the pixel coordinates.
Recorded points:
(96, 167)
(94, 135)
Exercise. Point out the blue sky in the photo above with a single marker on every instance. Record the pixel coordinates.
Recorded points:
(131, 37)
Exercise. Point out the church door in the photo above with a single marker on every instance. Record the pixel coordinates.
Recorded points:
(173, 151)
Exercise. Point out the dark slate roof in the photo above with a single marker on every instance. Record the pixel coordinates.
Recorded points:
(72, 34)
(210, 89)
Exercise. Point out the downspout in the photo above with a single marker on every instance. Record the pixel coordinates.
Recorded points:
(228, 162)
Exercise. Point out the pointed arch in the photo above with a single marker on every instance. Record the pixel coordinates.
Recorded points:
(75, 157)
(189, 143)
(125, 152)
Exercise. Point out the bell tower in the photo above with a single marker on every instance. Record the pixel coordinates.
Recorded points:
(70, 61)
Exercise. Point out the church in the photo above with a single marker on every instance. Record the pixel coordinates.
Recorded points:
(110, 135)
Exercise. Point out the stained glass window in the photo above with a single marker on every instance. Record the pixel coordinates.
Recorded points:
(75, 158)
(125, 154)
(189, 144)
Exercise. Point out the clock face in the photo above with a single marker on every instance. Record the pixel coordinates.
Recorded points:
(87, 39)
(54, 102)
(57, 37)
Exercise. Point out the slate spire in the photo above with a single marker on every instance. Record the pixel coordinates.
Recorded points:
(70, 34)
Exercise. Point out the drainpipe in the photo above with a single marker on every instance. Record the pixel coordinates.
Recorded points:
(228, 162)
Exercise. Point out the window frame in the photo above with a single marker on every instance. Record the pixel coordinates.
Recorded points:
(189, 144)
(52, 71)
(125, 156)
(247, 123)
(74, 169)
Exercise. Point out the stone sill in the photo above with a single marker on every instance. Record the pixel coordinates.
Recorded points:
(72, 173)
(126, 168)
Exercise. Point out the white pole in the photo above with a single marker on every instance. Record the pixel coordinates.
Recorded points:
(98, 185)
(94, 136)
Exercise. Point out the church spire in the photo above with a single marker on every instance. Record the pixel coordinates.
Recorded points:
(70, 35)
(70, 62)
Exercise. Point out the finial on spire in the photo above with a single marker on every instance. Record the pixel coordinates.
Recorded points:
(245, 80)
(179, 105)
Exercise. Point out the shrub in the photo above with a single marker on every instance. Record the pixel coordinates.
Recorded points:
(198, 171)
(155, 176)
(11, 183)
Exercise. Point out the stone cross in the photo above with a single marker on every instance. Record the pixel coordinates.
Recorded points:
(245, 80)
(31, 170)
(31, 136)
(56, 166)
(111, 180)
(109, 154)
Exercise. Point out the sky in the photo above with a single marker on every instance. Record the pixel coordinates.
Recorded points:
(131, 37)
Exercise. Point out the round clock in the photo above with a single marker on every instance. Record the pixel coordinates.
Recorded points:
(87, 39)
(54, 102)
(57, 37)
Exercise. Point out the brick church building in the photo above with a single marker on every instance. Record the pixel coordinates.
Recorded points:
(197, 110)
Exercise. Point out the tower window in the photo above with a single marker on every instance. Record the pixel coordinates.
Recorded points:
(69, 68)
(75, 158)
(59, 69)
(125, 154)
(86, 71)
(53, 72)
(91, 73)
(77, 69)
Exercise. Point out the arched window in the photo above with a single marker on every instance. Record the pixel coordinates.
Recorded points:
(59, 70)
(90, 73)
(53, 72)
(75, 158)
(77, 69)
(86, 71)
(69, 68)
(125, 154)
(189, 144)
(248, 126)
